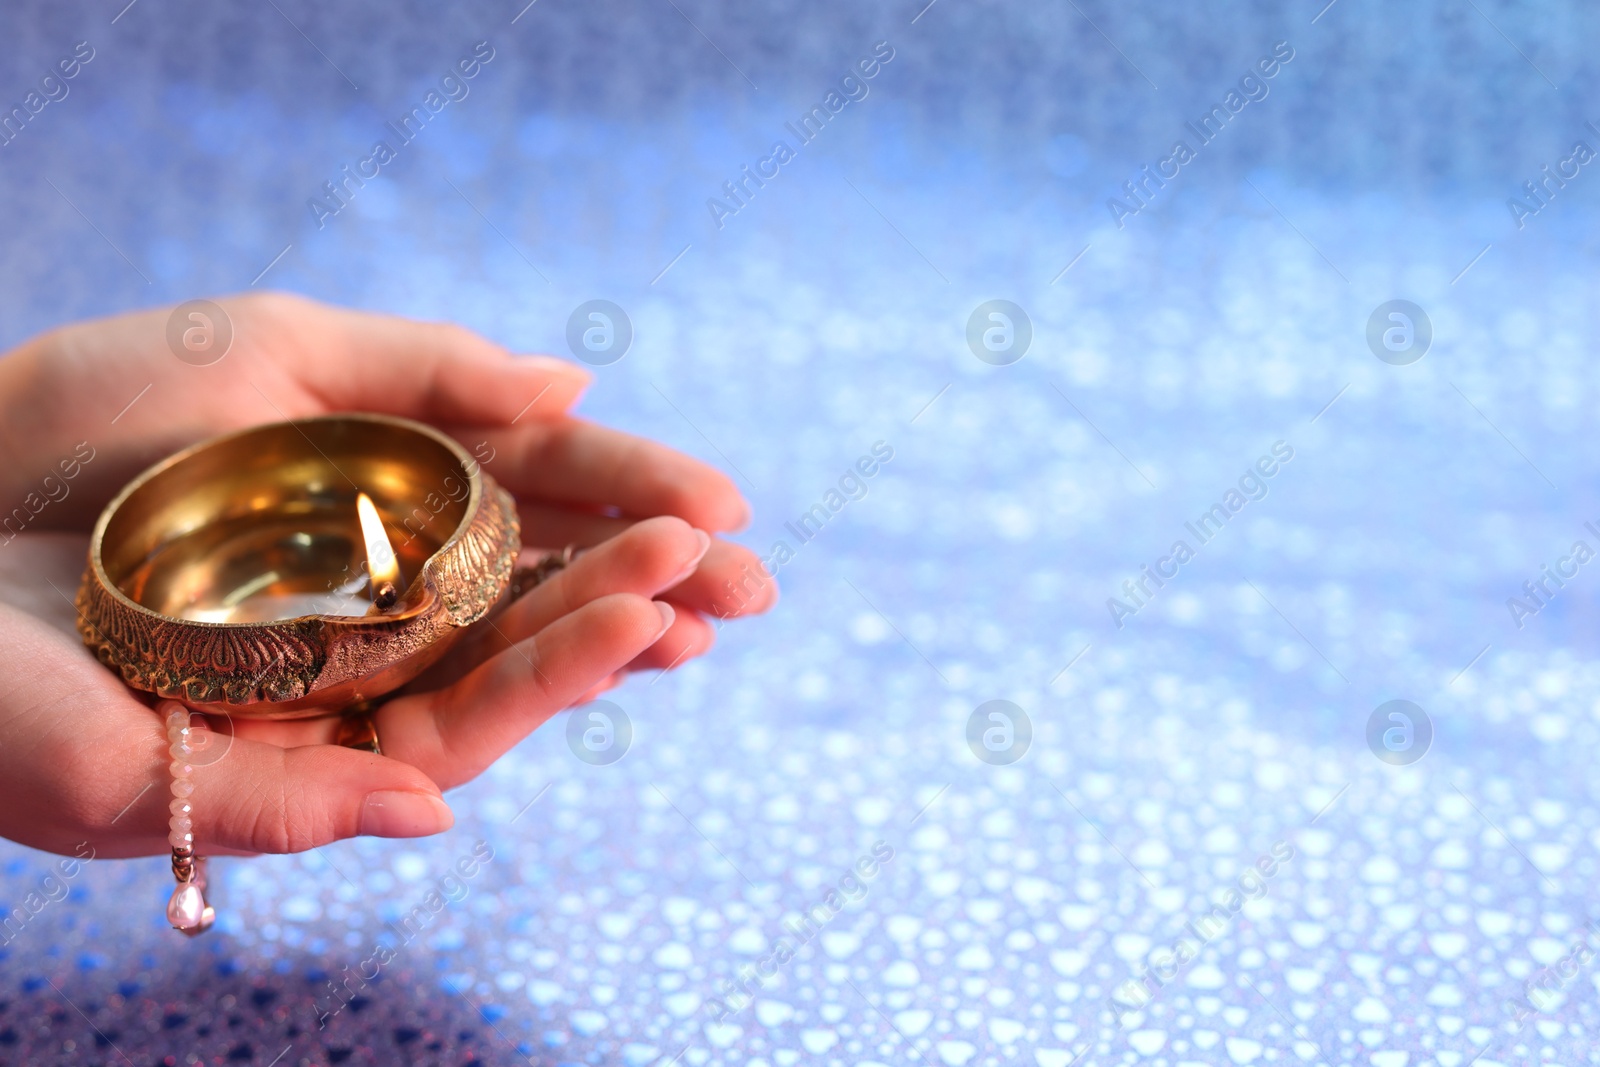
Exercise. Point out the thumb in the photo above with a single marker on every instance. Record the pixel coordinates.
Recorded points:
(262, 798)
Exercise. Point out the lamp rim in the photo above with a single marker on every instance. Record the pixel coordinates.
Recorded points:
(149, 474)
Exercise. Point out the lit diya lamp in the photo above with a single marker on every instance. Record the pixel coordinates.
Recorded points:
(263, 574)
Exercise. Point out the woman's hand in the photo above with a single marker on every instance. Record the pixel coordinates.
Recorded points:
(84, 757)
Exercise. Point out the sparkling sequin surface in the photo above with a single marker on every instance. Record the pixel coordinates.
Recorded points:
(1195, 832)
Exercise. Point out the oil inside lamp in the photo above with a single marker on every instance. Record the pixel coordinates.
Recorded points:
(277, 592)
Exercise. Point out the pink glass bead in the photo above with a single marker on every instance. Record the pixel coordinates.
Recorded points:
(180, 840)
(180, 768)
(182, 787)
(180, 806)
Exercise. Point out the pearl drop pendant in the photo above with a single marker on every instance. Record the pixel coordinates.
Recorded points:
(188, 911)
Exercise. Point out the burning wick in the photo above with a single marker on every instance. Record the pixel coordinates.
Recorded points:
(382, 564)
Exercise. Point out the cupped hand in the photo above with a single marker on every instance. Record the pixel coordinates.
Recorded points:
(84, 757)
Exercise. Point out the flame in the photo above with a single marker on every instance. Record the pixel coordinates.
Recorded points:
(382, 564)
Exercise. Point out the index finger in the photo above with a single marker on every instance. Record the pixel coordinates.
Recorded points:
(575, 462)
(435, 371)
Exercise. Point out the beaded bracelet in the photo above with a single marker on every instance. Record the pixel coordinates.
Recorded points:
(187, 910)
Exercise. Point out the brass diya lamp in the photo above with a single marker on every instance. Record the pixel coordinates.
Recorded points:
(291, 570)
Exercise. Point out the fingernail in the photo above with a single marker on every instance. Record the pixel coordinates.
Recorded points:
(396, 813)
(667, 615)
(744, 521)
(688, 568)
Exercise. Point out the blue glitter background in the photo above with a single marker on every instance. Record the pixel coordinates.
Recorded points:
(1226, 717)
